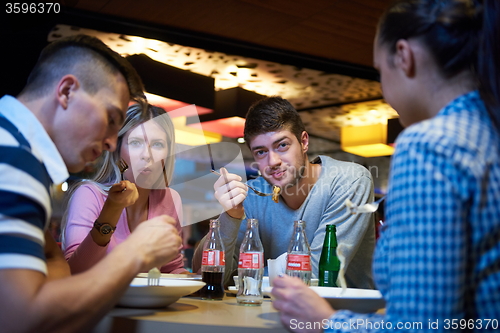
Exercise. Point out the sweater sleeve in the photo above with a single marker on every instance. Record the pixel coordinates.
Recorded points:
(79, 248)
(355, 232)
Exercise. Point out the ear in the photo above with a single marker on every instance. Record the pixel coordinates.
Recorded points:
(405, 57)
(304, 141)
(66, 88)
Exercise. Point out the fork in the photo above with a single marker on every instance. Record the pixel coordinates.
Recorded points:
(366, 208)
(259, 193)
(122, 166)
(154, 275)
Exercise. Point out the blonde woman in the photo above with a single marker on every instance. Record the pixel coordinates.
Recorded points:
(102, 212)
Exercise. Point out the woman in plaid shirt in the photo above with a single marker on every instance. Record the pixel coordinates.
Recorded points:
(437, 261)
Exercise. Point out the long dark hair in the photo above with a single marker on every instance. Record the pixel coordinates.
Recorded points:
(460, 34)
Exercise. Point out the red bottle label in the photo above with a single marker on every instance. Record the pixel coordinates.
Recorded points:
(251, 260)
(213, 258)
(298, 262)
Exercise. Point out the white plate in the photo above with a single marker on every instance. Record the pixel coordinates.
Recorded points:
(357, 300)
(140, 295)
(196, 277)
(265, 281)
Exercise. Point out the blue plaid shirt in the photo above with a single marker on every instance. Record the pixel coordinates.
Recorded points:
(437, 262)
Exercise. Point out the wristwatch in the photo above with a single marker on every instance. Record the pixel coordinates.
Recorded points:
(104, 228)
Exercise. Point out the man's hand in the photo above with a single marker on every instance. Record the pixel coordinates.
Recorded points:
(231, 192)
(156, 240)
(57, 266)
(297, 301)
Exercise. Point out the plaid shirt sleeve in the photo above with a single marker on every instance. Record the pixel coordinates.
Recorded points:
(426, 239)
(437, 261)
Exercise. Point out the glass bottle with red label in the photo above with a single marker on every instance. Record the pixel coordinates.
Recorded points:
(298, 262)
(213, 264)
(250, 266)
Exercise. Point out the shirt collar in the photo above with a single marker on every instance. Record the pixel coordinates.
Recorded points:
(41, 144)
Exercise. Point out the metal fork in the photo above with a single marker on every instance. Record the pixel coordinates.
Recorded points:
(259, 193)
(154, 275)
(122, 165)
(366, 208)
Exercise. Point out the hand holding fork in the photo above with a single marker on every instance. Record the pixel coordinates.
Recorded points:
(261, 194)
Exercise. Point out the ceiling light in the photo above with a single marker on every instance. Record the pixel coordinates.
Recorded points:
(366, 141)
(193, 135)
(241, 140)
(232, 127)
(228, 118)
(169, 104)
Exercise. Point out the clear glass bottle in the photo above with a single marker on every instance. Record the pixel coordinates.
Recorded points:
(298, 261)
(213, 264)
(250, 266)
(329, 263)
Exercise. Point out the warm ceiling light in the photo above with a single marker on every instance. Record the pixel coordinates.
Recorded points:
(231, 106)
(366, 141)
(171, 104)
(192, 135)
(231, 127)
(195, 137)
(241, 140)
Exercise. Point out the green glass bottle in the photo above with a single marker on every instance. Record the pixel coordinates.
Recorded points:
(329, 263)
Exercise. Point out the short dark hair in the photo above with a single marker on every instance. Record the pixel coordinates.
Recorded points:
(86, 57)
(272, 114)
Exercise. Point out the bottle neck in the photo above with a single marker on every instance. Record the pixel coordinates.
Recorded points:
(253, 226)
(330, 239)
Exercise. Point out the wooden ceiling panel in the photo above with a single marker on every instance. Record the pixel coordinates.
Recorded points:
(91, 5)
(332, 29)
(231, 19)
(322, 44)
(301, 9)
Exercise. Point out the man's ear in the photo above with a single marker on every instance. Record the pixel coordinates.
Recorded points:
(404, 57)
(304, 140)
(66, 88)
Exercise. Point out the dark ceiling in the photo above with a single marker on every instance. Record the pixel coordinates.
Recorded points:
(341, 30)
(334, 36)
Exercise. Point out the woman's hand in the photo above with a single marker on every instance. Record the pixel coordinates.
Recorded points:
(123, 194)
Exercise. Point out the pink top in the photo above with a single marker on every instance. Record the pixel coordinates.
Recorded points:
(86, 204)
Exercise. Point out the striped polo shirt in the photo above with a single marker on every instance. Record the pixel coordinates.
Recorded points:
(29, 165)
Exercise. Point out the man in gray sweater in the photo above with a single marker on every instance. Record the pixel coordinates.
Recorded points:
(311, 191)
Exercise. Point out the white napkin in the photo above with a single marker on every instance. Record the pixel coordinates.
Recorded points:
(251, 286)
(276, 267)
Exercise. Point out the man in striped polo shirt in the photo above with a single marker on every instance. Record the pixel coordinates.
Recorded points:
(69, 112)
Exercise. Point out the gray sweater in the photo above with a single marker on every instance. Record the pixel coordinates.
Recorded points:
(324, 205)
